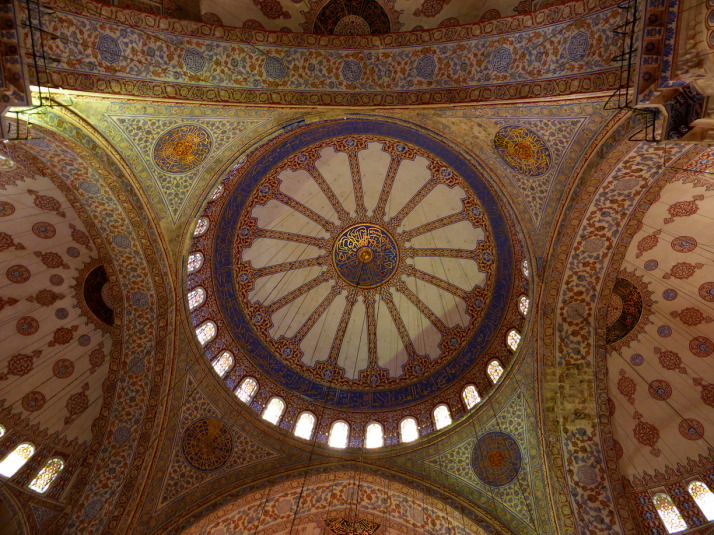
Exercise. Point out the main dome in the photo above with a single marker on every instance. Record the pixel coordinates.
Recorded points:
(358, 266)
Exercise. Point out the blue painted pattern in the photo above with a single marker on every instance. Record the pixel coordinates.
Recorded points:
(193, 60)
(108, 48)
(496, 459)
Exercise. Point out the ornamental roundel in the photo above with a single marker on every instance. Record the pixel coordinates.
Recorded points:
(523, 150)
(182, 148)
(628, 310)
(496, 459)
(207, 444)
(359, 264)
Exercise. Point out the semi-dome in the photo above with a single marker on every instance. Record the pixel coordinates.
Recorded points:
(360, 270)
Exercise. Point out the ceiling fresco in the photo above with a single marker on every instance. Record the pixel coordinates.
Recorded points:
(361, 17)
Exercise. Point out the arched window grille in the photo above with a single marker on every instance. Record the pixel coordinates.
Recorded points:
(47, 475)
(442, 416)
(703, 496)
(494, 370)
(523, 304)
(470, 396)
(668, 512)
(526, 268)
(206, 332)
(409, 430)
(374, 436)
(339, 434)
(274, 410)
(513, 338)
(305, 425)
(217, 192)
(247, 389)
(14, 460)
(195, 261)
(201, 227)
(2, 430)
(196, 298)
(223, 363)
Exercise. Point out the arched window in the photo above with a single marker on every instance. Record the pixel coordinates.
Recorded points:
(201, 227)
(2, 431)
(196, 298)
(526, 269)
(470, 396)
(523, 304)
(513, 338)
(47, 475)
(205, 332)
(409, 430)
(442, 416)
(339, 434)
(704, 498)
(494, 370)
(195, 261)
(668, 512)
(247, 389)
(374, 436)
(274, 410)
(223, 363)
(217, 192)
(14, 460)
(305, 424)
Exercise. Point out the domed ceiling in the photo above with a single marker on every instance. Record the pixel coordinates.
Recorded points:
(360, 17)
(359, 267)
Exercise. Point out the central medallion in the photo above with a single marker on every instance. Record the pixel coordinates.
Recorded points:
(365, 256)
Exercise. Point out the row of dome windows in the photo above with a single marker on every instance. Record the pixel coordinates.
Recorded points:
(17, 458)
(669, 513)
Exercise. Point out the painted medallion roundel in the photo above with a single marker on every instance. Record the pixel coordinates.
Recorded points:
(360, 264)
(496, 459)
(182, 148)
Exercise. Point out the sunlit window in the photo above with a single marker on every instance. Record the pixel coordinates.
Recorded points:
(223, 363)
(14, 460)
(2, 431)
(205, 332)
(217, 192)
(196, 298)
(494, 370)
(523, 304)
(201, 227)
(47, 475)
(409, 430)
(470, 396)
(274, 410)
(339, 434)
(374, 436)
(442, 416)
(247, 389)
(513, 338)
(304, 425)
(704, 498)
(195, 261)
(525, 268)
(668, 512)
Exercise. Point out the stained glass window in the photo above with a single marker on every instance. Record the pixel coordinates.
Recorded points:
(668, 512)
(409, 430)
(205, 332)
(274, 410)
(217, 192)
(247, 389)
(195, 261)
(374, 436)
(442, 416)
(525, 268)
(201, 227)
(470, 396)
(2, 431)
(494, 370)
(196, 298)
(339, 434)
(704, 498)
(513, 338)
(523, 304)
(304, 426)
(223, 363)
(14, 460)
(47, 475)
